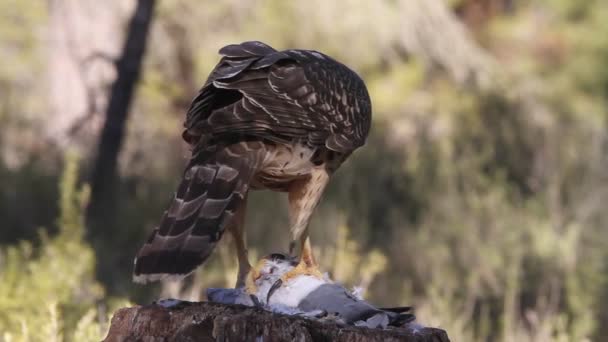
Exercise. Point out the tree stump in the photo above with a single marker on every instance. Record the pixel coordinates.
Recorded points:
(206, 321)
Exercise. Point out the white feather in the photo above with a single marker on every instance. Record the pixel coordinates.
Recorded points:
(296, 289)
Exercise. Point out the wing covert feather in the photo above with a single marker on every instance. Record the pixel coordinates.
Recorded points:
(292, 95)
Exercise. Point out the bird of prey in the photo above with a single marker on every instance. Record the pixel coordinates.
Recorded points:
(264, 119)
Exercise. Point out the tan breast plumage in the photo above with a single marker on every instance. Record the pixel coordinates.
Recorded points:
(282, 165)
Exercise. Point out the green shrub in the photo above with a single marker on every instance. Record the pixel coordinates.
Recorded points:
(49, 293)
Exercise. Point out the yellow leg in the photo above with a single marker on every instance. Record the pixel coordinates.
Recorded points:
(306, 255)
(237, 229)
(304, 195)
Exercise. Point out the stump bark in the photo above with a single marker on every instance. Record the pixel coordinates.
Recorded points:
(206, 321)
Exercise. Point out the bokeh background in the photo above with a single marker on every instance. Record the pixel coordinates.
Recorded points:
(480, 197)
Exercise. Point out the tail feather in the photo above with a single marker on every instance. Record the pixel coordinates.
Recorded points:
(201, 209)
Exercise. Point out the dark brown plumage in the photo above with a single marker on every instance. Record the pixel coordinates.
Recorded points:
(264, 119)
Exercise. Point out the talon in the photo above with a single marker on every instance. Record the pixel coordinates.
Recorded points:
(303, 268)
(277, 284)
(306, 264)
(256, 301)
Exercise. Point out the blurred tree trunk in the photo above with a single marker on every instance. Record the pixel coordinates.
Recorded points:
(82, 46)
(102, 208)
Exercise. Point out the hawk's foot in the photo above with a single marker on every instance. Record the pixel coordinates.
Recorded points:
(303, 268)
(307, 264)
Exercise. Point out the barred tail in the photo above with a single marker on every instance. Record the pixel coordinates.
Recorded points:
(203, 206)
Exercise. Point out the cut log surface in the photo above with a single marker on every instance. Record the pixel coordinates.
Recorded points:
(206, 321)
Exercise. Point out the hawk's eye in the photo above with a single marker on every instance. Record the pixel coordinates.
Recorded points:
(272, 269)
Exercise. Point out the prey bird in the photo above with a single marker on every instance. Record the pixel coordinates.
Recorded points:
(308, 296)
(264, 119)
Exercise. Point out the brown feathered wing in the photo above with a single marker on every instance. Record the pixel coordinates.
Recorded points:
(255, 96)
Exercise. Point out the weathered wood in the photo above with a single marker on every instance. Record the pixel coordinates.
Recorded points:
(218, 322)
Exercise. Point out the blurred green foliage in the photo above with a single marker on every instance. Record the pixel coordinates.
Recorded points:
(483, 208)
(50, 293)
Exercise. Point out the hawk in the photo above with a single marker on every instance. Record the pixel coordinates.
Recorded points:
(264, 119)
